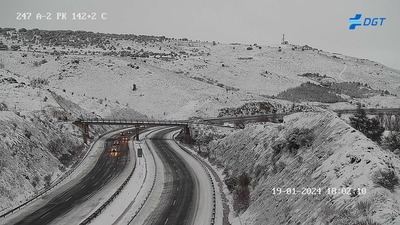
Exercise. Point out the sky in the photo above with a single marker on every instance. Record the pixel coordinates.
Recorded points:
(321, 24)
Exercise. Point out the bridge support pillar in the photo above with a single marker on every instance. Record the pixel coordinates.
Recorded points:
(137, 134)
(85, 130)
(187, 137)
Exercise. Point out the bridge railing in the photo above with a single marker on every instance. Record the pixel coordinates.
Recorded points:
(217, 119)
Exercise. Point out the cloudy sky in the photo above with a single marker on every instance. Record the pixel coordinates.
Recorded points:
(319, 23)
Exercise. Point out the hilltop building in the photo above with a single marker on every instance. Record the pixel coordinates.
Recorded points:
(284, 42)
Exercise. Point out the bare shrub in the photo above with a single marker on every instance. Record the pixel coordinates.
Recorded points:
(386, 178)
(367, 221)
(39, 63)
(47, 180)
(230, 183)
(241, 194)
(364, 207)
(35, 181)
(27, 133)
(299, 138)
(296, 139)
(392, 142)
(39, 82)
(64, 149)
(3, 106)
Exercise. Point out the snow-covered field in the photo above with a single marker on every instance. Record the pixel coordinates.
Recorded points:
(200, 80)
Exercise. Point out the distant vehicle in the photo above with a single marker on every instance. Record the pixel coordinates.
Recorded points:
(140, 152)
(226, 124)
(125, 139)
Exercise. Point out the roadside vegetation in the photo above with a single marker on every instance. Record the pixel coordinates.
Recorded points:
(369, 127)
(239, 187)
(392, 142)
(309, 92)
(329, 92)
(64, 149)
(386, 179)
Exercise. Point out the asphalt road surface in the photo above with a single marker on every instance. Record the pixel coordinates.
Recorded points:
(177, 204)
(109, 165)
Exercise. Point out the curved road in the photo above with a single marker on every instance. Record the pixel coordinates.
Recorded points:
(178, 200)
(109, 165)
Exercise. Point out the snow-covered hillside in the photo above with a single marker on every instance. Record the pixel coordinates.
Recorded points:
(49, 78)
(38, 142)
(194, 78)
(309, 150)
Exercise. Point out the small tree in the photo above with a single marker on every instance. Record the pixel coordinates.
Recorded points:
(359, 120)
(374, 130)
(369, 127)
(241, 195)
(392, 142)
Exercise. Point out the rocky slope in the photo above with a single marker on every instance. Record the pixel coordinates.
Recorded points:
(309, 150)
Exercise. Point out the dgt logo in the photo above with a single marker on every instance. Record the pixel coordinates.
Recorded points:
(367, 21)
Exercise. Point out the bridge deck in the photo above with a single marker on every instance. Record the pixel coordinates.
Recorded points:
(220, 119)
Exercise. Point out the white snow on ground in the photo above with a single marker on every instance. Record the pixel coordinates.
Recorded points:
(153, 196)
(84, 167)
(198, 85)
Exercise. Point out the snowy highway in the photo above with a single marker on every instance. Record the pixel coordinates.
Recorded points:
(168, 186)
(178, 200)
(183, 193)
(109, 165)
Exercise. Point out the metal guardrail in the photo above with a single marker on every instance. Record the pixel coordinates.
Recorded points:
(119, 190)
(152, 185)
(109, 200)
(220, 119)
(57, 182)
(132, 122)
(212, 222)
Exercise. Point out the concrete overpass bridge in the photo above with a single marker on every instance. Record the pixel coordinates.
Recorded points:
(84, 124)
(387, 117)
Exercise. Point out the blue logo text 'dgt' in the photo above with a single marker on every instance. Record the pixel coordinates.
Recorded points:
(357, 20)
